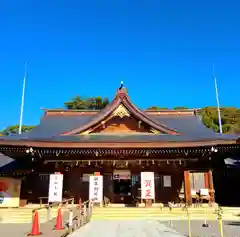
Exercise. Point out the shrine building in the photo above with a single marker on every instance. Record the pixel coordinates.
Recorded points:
(118, 142)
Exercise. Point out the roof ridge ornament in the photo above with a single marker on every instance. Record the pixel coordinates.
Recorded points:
(122, 91)
(121, 86)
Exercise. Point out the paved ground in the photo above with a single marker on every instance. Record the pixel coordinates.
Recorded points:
(145, 228)
(14, 230)
(129, 228)
(136, 228)
(230, 228)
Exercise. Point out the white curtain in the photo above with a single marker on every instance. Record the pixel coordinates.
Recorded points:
(197, 181)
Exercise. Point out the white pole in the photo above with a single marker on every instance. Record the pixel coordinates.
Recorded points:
(217, 99)
(22, 103)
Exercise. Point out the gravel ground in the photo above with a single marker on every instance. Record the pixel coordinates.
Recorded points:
(130, 228)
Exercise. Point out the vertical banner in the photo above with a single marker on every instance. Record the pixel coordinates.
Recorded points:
(9, 192)
(96, 188)
(55, 188)
(147, 185)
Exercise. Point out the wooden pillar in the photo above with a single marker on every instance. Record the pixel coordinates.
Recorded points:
(148, 203)
(187, 188)
(206, 180)
(211, 186)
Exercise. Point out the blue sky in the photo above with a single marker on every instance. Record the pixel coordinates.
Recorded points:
(163, 50)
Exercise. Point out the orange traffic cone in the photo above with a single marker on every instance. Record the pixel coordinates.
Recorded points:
(35, 225)
(59, 220)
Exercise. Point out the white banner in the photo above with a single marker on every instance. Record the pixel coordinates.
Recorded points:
(55, 188)
(96, 188)
(167, 181)
(147, 185)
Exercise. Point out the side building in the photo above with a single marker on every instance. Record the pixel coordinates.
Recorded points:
(119, 142)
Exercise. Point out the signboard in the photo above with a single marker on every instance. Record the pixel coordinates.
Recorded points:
(167, 181)
(121, 174)
(55, 188)
(85, 177)
(147, 185)
(96, 188)
(9, 192)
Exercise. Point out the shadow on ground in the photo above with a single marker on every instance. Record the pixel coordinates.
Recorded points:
(233, 223)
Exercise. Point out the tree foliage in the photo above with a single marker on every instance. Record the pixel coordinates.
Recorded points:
(230, 118)
(180, 108)
(91, 103)
(157, 108)
(15, 128)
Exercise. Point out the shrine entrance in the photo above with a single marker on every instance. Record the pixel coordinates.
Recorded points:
(122, 186)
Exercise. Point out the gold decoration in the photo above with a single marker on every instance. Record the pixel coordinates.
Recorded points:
(155, 131)
(121, 111)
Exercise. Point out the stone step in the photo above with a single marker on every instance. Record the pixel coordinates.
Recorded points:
(161, 214)
(23, 215)
(163, 218)
(142, 212)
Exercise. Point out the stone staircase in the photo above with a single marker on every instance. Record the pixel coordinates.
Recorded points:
(22, 215)
(154, 213)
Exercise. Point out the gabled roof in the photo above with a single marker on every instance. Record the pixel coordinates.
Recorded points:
(122, 99)
(67, 127)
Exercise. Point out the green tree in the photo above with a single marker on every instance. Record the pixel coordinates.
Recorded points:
(230, 119)
(157, 108)
(180, 108)
(15, 128)
(91, 103)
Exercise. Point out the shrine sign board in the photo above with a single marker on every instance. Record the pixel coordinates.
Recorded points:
(147, 185)
(55, 187)
(96, 188)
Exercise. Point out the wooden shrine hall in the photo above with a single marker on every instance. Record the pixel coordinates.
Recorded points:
(118, 142)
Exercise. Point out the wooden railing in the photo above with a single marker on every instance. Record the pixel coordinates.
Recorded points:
(50, 206)
(72, 217)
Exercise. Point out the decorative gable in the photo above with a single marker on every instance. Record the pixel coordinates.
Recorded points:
(122, 116)
(119, 124)
(121, 121)
(121, 111)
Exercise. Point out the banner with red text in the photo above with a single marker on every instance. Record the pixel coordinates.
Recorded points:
(147, 185)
